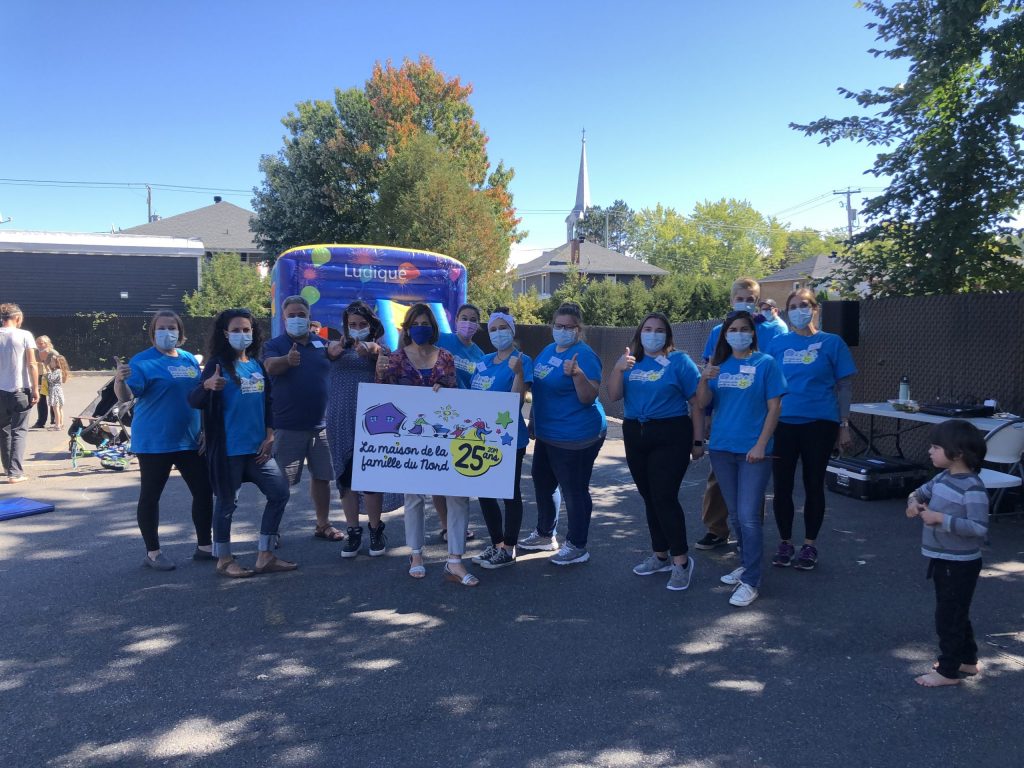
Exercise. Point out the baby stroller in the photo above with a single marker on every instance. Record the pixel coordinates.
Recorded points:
(102, 430)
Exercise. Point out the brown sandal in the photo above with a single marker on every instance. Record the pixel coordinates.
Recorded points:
(233, 570)
(328, 532)
(276, 565)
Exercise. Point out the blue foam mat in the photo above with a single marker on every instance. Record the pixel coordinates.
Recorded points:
(19, 506)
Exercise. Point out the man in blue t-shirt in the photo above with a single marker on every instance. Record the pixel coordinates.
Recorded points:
(746, 297)
(298, 366)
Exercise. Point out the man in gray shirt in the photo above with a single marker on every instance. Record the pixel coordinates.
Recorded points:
(19, 389)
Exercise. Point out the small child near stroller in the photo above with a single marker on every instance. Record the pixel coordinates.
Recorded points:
(56, 377)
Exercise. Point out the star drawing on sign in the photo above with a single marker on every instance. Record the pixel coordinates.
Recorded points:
(506, 439)
(504, 419)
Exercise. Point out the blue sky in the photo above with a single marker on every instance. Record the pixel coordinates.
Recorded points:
(682, 101)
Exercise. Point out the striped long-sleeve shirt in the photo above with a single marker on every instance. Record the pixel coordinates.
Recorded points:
(963, 501)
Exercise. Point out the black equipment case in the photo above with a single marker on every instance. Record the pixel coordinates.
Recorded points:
(874, 477)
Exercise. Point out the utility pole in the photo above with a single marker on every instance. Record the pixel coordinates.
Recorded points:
(850, 213)
(149, 204)
(606, 243)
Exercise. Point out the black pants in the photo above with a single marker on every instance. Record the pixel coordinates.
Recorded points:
(658, 454)
(155, 468)
(955, 581)
(42, 410)
(812, 443)
(509, 533)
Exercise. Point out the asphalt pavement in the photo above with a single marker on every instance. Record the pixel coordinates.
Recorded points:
(352, 663)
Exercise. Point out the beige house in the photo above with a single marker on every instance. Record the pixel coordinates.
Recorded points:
(814, 273)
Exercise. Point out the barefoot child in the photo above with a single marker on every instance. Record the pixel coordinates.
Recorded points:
(56, 377)
(954, 509)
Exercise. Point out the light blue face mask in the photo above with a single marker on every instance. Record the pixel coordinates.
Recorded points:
(296, 326)
(739, 340)
(502, 339)
(743, 306)
(239, 340)
(653, 341)
(564, 337)
(359, 334)
(166, 340)
(800, 317)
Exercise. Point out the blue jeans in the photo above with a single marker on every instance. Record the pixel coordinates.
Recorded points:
(272, 484)
(570, 471)
(742, 485)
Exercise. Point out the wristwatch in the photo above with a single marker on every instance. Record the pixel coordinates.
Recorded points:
(698, 443)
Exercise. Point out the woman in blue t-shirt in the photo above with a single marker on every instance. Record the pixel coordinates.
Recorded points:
(238, 433)
(165, 433)
(745, 388)
(467, 354)
(507, 370)
(662, 428)
(819, 371)
(569, 424)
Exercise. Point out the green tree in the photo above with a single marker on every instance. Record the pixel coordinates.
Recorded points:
(528, 308)
(228, 282)
(951, 147)
(424, 202)
(683, 298)
(324, 183)
(607, 226)
(573, 287)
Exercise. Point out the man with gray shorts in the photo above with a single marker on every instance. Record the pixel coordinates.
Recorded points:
(298, 366)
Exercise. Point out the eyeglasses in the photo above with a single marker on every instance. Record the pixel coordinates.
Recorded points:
(561, 327)
(802, 305)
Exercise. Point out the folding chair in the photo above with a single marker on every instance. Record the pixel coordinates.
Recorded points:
(1004, 445)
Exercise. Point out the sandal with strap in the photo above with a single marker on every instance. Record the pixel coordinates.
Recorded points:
(469, 580)
(276, 565)
(417, 571)
(328, 532)
(233, 570)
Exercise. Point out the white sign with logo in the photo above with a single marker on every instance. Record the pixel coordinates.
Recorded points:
(454, 442)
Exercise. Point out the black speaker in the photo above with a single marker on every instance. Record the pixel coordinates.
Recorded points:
(842, 318)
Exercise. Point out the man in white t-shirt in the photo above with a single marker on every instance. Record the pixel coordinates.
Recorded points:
(19, 389)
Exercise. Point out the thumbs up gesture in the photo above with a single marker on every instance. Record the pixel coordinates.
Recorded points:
(216, 382)
(570, 367)
(294, 357)
(626, 362)
(515, 364)
(122, 371)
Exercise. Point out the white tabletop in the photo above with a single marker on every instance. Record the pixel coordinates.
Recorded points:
(886, 409)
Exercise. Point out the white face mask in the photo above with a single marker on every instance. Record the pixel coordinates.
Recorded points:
(501, 339)
(239, 340)
(739, 340)
(296, 326)
(359, 334)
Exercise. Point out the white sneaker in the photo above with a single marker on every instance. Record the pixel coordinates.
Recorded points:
(733, 578)
(743, 595)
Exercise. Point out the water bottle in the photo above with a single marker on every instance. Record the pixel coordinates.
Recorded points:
(904, 389)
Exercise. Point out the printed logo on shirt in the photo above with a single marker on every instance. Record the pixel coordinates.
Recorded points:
(799, 356)
(736, 380)
(183, 371)
(542, 371)
(252, 384)
(464, 364)
(483, 382)
(646, 376)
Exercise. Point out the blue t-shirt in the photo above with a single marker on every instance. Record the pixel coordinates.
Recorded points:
(741, 394)
(299, 395)
(243, 409)
(558, 414)
(498, 378)
(162, 419)
(812, 365)
(466, 358)
(766, 332)
(660, 387)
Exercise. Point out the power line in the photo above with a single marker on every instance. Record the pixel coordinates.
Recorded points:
(69, 184)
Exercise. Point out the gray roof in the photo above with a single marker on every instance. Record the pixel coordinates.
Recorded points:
(594, 260)
(222, 226)
(815, 268)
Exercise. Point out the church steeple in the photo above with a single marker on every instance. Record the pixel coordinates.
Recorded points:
(582, 193)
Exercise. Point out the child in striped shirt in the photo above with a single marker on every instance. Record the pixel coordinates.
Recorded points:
(954, 509)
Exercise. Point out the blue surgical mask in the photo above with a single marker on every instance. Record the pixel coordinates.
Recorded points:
(502, 339)
(296, 326)
(166, 340)
(563, 336)
(743, 306)
(421, 334)
(359, 334)
(739, 340)
(239, 340)
(800, 317)
(652, 341)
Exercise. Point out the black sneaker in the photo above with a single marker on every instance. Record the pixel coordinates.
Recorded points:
(378, 541)
(500, 559)
(710, 541)
(807, 559)
(353, 541)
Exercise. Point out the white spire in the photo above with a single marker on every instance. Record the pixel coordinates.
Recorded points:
(582, 192)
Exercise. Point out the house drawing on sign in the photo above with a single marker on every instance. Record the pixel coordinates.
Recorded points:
(383, 419)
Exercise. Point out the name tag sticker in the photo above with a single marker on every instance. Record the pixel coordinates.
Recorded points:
(317, 344)
(555, 362)
(481, 367)
(748, 369)
(661, 360)
(815, 345)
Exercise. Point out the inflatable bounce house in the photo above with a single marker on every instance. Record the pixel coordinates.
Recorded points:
(330, 277)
